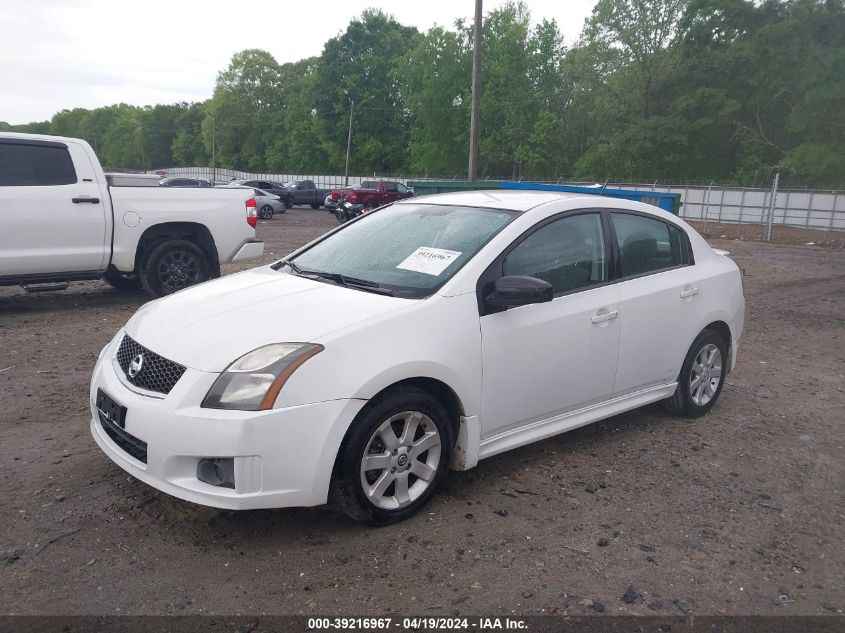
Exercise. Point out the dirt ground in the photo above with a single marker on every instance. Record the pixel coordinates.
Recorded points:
(739, 512)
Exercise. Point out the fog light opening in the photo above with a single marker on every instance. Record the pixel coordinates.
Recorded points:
(217, 471)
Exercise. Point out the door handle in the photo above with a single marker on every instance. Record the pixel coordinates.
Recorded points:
(688, 292)
(605, 316)
(90, 199)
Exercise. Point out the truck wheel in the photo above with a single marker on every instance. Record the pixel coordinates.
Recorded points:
(266, 212)
(126, 283)
(173, 265)
(316, 206)
(370, 205)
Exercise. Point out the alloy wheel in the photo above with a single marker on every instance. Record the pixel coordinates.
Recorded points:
(178, 269)
(400, 460)
(706, 374)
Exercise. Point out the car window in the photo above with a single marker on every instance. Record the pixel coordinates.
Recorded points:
(258, 193)
(412, 249)
(23, 165)
(401, 188)
(644, 244)
(568, 253)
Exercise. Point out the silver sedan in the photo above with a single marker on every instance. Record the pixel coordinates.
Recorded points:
(268, 204)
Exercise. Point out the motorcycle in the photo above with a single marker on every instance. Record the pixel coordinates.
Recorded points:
(346, 211)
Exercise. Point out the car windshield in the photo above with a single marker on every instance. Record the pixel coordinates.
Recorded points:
(410, 250)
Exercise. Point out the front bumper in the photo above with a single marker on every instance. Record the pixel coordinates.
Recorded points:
(282, 457)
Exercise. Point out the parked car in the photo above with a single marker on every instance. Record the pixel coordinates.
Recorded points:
(63, 219)
(184, 182)
(275, 188)
(268, 204)
(420, 337)
(305, 192)
(372, 193)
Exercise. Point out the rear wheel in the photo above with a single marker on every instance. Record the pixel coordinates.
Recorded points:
(266, 212)
(173, 265)
(702, 376)
(316, 206)
(394, 456)
(370, 205)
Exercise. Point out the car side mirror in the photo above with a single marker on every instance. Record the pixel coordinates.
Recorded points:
(516, 290)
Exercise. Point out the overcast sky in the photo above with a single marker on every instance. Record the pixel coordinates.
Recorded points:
(57, 54)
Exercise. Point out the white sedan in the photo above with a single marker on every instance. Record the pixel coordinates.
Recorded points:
(424, 336)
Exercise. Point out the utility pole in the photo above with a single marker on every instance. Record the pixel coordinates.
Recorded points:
(213, 151)
(348, 143)
(143, 159)
(476, 95)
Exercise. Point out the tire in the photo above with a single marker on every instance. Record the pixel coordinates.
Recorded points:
(316, 206)
(126, 283)
(266, 212)
(340, 215)
(370, 205)
(172, 265)
(412, 468)
(695, 394)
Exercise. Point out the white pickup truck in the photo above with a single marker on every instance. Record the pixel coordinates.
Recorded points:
(62, 219)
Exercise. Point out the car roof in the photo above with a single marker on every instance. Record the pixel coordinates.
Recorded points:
(511, 200)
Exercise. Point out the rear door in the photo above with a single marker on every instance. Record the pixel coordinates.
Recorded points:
(52, 211)
(659, 291)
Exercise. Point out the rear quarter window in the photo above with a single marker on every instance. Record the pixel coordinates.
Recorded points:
(23, 165)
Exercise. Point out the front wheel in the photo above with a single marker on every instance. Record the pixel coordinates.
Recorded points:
(394, 456)
(702, 376)
(173, 265)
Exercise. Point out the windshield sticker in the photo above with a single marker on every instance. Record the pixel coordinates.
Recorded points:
(429, 261)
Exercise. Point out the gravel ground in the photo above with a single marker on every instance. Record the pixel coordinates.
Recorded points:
(739, 512)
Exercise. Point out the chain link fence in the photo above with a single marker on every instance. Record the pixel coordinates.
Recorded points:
(804, 208)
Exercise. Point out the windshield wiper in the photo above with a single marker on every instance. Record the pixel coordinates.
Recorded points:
(341, 280)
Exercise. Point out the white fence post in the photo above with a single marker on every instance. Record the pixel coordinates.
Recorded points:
(772, 199)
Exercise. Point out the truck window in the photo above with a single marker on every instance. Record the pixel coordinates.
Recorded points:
(32, 165)
(391, 187)
(369, 184)
(306, 184)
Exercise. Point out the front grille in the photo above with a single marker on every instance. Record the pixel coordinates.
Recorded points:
(156, 373)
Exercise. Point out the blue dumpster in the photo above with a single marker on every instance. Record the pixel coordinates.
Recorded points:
(670, 202)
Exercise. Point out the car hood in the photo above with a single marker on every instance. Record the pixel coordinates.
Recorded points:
(209, 326)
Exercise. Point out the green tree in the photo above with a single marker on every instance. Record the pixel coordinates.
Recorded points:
(245, 111)
(362, 65)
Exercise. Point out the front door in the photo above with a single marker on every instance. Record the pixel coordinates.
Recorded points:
(549, 358)
(52, 215)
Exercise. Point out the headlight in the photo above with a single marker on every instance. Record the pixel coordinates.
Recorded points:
(253, 382)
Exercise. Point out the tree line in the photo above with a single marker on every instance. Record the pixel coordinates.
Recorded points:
(660, 90)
